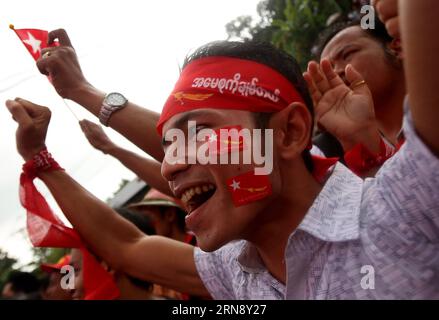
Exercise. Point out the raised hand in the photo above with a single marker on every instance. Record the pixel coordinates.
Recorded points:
(33, 122)
(62, 65)
(388, 13)
(344, 110)
(96, 136)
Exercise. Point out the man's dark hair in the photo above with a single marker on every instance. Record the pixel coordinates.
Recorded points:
(264, 53)
(23, 282)
(379, 34)
(142, 222)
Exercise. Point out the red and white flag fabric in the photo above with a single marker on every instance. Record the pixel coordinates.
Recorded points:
(34, 40)
(248, 187)
(45, 229)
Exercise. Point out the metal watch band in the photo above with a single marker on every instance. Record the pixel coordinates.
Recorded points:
(105, 113)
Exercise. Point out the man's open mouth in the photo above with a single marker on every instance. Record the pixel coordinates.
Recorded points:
(196, 196)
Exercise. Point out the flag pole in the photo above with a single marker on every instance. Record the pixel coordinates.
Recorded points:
(71, 110)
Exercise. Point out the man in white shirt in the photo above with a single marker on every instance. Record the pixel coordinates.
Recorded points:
(346, 238)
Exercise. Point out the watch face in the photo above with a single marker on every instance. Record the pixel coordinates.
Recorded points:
(115, 99)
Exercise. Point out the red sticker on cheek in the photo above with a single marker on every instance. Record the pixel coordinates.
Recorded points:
(226, 140)
(248, 188)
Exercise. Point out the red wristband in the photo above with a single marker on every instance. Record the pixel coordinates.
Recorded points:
(42, 161)
(360, 159)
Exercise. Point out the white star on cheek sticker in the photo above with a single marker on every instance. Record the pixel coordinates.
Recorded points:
(235, 185)
(34, 43)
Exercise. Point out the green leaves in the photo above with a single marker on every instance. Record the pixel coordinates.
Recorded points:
(291, 25)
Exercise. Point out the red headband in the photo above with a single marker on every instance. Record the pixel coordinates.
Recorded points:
(228, 83)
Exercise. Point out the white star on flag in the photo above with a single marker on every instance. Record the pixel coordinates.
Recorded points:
(235, 185)
(213, 137)
(34, 43)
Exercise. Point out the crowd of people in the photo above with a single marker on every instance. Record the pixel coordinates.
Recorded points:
(348, 211)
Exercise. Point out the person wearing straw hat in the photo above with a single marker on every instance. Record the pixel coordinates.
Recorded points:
(167, 215)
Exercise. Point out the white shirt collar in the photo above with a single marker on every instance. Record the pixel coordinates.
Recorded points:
(334, 216)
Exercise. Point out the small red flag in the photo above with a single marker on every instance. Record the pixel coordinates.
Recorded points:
(248, 188)
(34, 40)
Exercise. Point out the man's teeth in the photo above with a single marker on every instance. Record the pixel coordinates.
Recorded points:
(189, 193)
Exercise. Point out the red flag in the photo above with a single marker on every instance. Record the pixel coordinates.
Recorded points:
(248, 188)
(34, 40)
(45, 229)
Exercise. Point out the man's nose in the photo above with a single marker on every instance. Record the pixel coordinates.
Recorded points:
(172, 167)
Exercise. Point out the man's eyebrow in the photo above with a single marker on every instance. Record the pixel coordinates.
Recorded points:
(188, 116)
(184, 119)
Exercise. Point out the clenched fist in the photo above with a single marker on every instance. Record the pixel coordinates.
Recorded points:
(62, 65)
(33, 122)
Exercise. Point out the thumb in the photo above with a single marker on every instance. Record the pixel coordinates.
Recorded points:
(356, 80)
(19, 113)
(83, 125)
(87, 126)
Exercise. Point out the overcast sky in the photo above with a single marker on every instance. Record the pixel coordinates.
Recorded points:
(131, 46)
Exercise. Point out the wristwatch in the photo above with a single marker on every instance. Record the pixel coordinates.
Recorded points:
(113, 102)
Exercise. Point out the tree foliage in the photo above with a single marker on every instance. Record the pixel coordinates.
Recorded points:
(292, 25)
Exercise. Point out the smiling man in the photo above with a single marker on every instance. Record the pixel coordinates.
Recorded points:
(283, 234)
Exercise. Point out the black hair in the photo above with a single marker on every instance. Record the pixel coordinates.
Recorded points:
(379, 34)
(267, 54)
(142, 222)
(23, 282)
(180, 216)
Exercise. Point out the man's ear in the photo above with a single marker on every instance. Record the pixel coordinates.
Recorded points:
(294, 126)
(396, 47)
